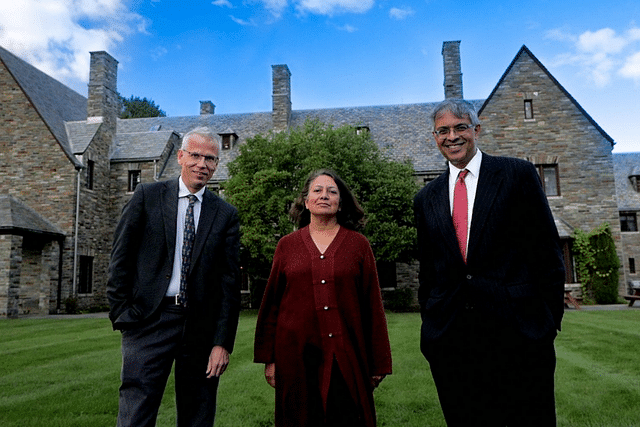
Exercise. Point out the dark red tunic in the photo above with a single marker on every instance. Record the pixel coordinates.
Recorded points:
(328, 304)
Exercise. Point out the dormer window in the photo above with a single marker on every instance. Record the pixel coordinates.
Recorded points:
(228, 139)
(635, 182)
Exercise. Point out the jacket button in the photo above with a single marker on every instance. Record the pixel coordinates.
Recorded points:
(469, 277)
(321, 256)
(323, 281)
(326, 307)
(330, 335)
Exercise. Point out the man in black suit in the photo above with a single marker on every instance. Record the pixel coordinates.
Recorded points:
(163, 319)
(491, 281)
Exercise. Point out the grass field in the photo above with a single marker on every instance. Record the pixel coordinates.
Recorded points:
(65, 372)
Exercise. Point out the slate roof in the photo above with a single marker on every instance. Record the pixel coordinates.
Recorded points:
(401, 131)
(80, 135)
(18, 218)
(54, 102)
(140, 146)
(626, 165)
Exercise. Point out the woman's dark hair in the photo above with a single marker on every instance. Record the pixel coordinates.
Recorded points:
(350, 214)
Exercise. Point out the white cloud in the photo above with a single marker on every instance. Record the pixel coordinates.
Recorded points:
(400, 14)
(243, 22)
(601, 55)
(222, 3)
(56, 36)
(604, 41)
(631, 67)
(331, 7)
(348, 28)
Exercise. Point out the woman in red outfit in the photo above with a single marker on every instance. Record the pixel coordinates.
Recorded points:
(321, 330)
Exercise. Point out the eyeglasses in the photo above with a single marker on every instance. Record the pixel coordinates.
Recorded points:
(457, 129)
(208, 160)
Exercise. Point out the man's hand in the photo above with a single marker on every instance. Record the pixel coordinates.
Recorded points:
(218, 361)
(270, 374)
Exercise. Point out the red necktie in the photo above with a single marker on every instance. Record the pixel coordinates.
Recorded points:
(461, 213)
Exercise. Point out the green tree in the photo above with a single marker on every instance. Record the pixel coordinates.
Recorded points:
(136, 108)
(271, 169)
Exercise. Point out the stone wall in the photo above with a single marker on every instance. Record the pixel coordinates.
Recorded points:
(35, 169)
(559, 133)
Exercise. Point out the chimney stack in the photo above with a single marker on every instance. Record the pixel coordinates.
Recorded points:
(281, 114)
(452, 70)
(207, 107)
(103, 81)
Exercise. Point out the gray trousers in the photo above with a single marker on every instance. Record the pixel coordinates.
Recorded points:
(148, 353)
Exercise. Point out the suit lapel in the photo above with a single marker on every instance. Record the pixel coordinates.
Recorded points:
(169, 204)
(489, 183)
(441, 206)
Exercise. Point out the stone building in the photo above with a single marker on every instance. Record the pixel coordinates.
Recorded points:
(68, 165)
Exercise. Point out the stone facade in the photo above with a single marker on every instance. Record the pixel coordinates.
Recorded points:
(557, 133)
(69, 165)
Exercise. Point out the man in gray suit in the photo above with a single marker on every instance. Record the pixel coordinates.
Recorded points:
(491, 281)
(174, 289)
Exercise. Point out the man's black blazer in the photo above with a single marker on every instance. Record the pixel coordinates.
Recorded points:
(142, 262)
(514, 264)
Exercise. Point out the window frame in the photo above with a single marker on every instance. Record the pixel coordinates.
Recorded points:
(134, 173)
(627, 218)
(90, 174)
(541, 172)
(85, 274)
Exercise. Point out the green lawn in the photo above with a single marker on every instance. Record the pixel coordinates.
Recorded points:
(65, 373)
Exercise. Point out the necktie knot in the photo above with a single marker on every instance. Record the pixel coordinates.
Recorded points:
(463, 174)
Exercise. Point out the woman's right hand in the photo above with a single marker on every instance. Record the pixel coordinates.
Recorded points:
(270, 374)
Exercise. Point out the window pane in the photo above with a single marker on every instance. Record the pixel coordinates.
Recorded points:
(528, 109)
(550, 180)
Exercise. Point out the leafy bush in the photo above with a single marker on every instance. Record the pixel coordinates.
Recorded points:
(597, 265)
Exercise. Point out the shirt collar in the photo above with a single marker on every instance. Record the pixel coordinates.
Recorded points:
(183, 191)
(473, 166)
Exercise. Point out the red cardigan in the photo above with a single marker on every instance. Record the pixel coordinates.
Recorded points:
(330, 302)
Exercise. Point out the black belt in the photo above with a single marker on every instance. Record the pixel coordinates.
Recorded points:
(172, 301)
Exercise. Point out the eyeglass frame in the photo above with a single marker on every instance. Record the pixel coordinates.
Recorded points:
(441, 133)
(208, 160)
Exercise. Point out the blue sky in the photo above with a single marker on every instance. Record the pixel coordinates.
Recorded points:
(340, 52)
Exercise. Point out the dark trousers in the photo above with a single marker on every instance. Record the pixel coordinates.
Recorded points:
(148, 353)
(488, 375)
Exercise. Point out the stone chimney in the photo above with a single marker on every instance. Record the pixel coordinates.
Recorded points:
(207, 107)
(281, 114)
(103, 94)
(452, 70)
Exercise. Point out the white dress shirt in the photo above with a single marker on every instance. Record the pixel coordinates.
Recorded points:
(183, 203)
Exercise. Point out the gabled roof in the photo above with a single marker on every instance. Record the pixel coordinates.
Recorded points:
(54, 102)
(81, 134)
(525, 50)
(18, 218)
(626, 165)
(140, 146)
